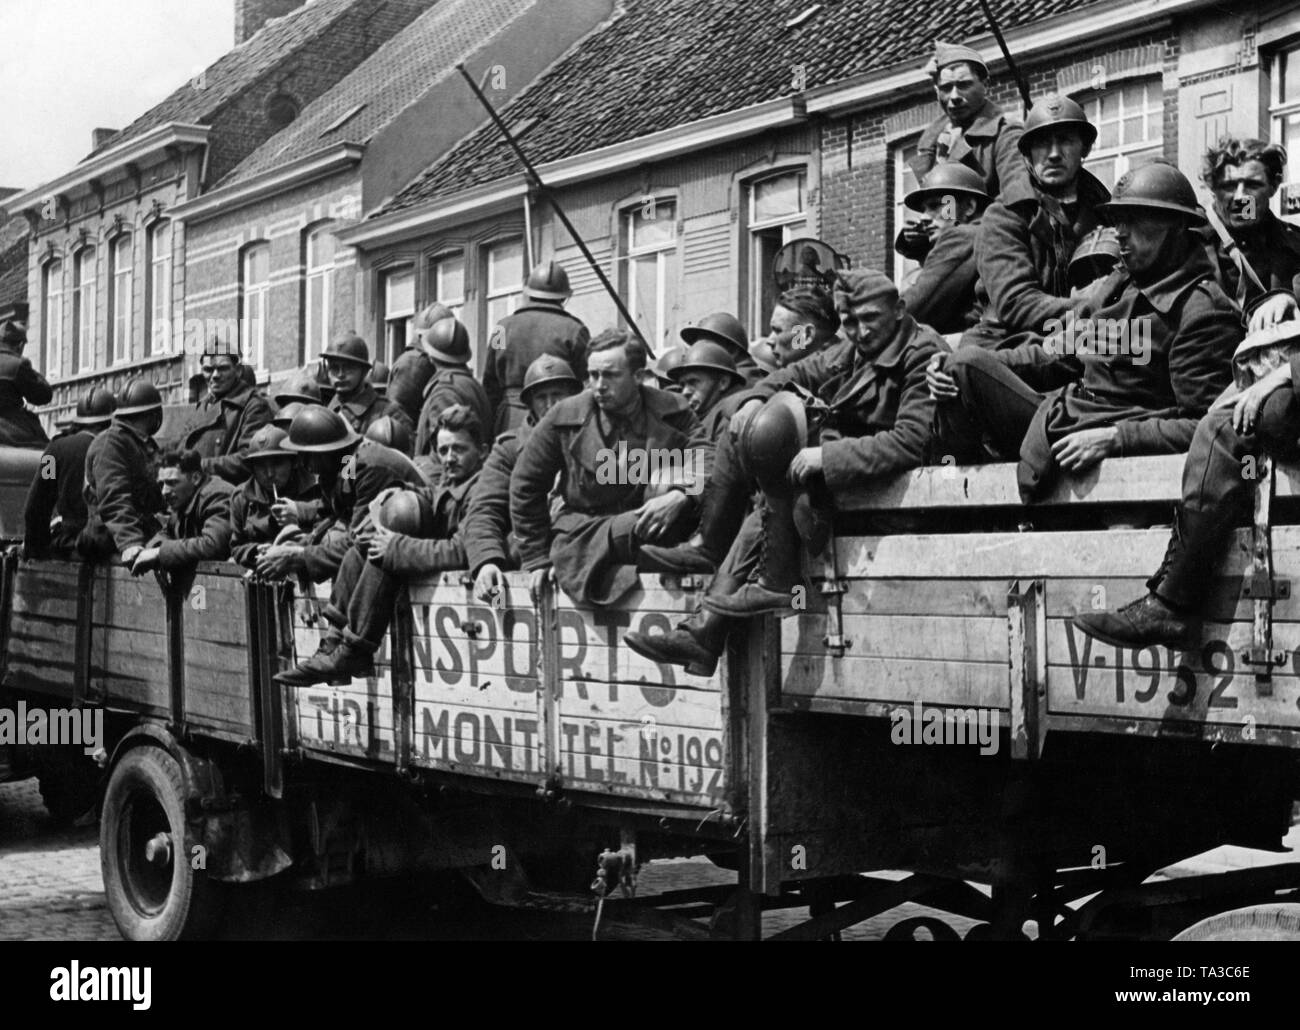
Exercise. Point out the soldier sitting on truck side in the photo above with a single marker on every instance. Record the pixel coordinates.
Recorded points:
(413, 533)
(803, 322)
(225, 419)
(20, 383)
(56, 504)
(1153, 342)
(122, 496)
(279, 494)
(197, 527)
(854, 413)
(490, 544)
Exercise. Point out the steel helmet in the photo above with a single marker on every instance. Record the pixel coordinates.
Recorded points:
(948, 178)
(667, 361)
(138, 396)
(304, 389)
(1051, 111)
(378, 378)
(317, 429)
(406, 512)
(268, 442)
(391, 433)
(706, 356)
(350, 348)
(448, 340)
(772, 437)
(548, 282)
(96, 405)
(547, 369)
(432, 315)
(1157, 185)
(720, 326)
(284, 417)
(1096, 253)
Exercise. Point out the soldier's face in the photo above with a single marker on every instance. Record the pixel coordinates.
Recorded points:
(1056, 156)
(1242, 193)
(346, 376)
(177, 487)
(1145, 240)
(459, 454)
(949, 210)
(701, 389)
(272, 473)
(221, 373)
(870, 324)
(611, 380)
(961, 92)
(789, 338)
(543, 398)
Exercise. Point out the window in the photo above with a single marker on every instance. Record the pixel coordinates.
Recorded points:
(254, 291)
(505, 279)
(319, 291)
(1130, 128)
(399, 310)
(904, 182)
(83, 308)
(650, 232)
(119, 318)
(776, 216)
(52, 323)
(447, 281)
(1284, 112)
(159, 302)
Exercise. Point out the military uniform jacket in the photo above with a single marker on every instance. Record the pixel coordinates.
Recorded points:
(1272, 250)
(1023, 253)
(486, 528)
(362, 409)
(521, 338)
(370, 469)
(880, 410)
(943, 294)
(220, 429)
(1194, 329)
(989, 145)
(447, 387)
(59, 496)
(122, 496)
(717, 418)
(444, 547)
(20, 382)
(198, 532)
(251, 522)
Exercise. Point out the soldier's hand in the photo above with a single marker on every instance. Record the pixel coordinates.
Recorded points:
(286, 512)
(536, 579)
(145, 559)
(806, 464)
(943, 387)
(1270, 312)
(742, 416)
(129, 555)
(490, 584)
(658, 514)
(280, 561)
(1245, 411)
(1086, 448)
(379, 542)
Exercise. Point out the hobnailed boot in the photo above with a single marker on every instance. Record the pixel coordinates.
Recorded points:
(780, 568)
(696, 648)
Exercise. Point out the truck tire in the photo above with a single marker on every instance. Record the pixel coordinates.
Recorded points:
(1279, 922)
(144, 852)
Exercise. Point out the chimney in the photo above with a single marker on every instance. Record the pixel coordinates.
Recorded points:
(98, 137)
(251, 15)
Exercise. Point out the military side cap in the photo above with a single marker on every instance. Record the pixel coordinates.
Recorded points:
(861, 285)
(955, 53)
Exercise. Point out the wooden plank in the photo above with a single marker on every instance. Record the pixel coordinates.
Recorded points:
(480, 742)
(888, 681)
(354, 719)
(904, 637)
(688, 709)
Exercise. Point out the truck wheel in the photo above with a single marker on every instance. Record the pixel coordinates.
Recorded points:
(144, 851)
(1256, 923)
(69, 787)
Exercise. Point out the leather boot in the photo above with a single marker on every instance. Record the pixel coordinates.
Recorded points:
(696, 648)
(1148, 620)
(324, 665)
(1195, 550)
(780, 568)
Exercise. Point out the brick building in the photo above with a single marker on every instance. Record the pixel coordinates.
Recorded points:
(261, 250)
(106, 268)
(685, 166)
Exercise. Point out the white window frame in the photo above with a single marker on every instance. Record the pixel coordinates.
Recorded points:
(159, 242)
(83, 307)
(394, 337)
(1279, 111)
(1120, 152)
(52, 322)
(317, 273)
(252, 330)
(901, 151)
(502, 291)
(659, 252)
(121, 295)
(438, 291)
(758, 270)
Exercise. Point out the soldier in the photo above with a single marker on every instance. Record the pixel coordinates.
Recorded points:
(803, 322)
(378, 378)
(20, 382)
(351, 472)
(490, 545)
(56, 507)
(1261, 268)
(540, 326)
(412, 371)
(301, 389)
(446, 343)
(661, 370)
(942, 295)
(711, 385)
(606, 511)
(348, 362)
(198, 521)
(277, 495)
(727, 330)
(415, 533)
(1153, 344)
(873, 422)
(972, 131)
(1028, 235)
(391, 432)
(122, 495)
(224, 421)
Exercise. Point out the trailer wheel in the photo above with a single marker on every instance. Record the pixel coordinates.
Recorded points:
(144, 850)
(1278, 922)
